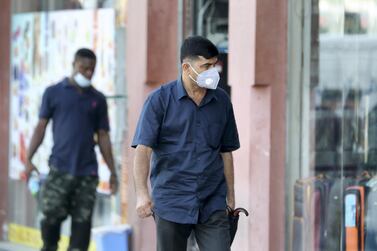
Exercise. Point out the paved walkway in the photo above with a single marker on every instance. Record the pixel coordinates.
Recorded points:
(7, 246)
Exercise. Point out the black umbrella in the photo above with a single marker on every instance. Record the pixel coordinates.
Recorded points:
(234, 215)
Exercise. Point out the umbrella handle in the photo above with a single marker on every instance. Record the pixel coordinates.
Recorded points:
(237, 211)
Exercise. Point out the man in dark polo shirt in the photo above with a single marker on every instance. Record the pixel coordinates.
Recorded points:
(79, 115)
(186, 134)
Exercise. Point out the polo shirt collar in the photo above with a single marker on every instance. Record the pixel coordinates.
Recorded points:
(66, 83)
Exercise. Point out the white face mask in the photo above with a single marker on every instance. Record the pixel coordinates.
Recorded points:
(81, 80)
(207, 79)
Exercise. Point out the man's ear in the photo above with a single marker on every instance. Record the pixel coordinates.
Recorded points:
(185, 66)
(74, 67)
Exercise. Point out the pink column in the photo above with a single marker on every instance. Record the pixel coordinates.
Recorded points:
(136, 67)
(150, 61)
(5, 19)
(257, 66)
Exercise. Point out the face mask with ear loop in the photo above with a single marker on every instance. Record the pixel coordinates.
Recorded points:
(207, 79)
(81, 80)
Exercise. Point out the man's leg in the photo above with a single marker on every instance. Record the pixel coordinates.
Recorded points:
(54, 205)
(192, 245)
(81, 210)
(171, 236)
(213, 235)
(50, 229)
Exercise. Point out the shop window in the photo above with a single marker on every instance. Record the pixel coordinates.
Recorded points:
(332, 195)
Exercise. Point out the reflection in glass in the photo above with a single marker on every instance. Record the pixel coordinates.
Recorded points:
(335, 205)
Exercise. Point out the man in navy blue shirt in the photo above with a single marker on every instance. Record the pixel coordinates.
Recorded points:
(80, 121)
(186, 134)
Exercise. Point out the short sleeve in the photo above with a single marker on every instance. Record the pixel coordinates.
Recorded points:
(46, 109)
(230, 141)
(149, 124)
(103, 118)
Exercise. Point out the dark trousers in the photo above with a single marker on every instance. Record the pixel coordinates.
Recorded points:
(213, 235)
(63, 195)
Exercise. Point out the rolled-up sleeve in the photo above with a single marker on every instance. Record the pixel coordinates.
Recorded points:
(149, 124)
(229, 140)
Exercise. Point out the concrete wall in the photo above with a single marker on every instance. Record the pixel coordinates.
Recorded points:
(5, 19)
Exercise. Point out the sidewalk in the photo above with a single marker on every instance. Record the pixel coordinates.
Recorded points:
(8, 246)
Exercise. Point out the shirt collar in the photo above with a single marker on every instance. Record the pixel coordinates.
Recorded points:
(210, 95)
(66, 83)
(181, 92)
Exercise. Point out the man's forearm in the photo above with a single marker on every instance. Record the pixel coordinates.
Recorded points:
(229, 176)
(141, 169)
(106, 150)
(36, 139)
(144, 204)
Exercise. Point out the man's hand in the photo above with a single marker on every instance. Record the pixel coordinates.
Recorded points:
(114, 184)
(144, 206)
(29, 169)
(231, 201)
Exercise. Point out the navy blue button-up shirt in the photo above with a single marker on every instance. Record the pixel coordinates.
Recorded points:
(76, 117)
(187, 170)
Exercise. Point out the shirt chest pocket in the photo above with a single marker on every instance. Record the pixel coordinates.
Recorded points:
(213, 133)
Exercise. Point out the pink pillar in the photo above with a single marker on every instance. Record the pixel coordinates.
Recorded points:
(150, 61)
(257, 74)
(5, 21)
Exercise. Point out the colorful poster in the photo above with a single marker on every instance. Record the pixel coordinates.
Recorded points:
(43, 46)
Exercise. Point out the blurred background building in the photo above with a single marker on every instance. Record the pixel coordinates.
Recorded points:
(301, 75)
